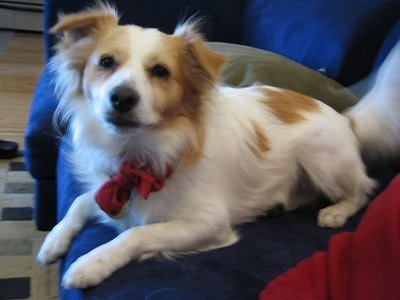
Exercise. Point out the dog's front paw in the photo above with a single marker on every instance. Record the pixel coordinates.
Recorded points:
(55, 245)
(89, 270)
(332, 217)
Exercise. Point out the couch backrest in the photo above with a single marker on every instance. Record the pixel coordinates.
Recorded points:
(222, 17)
(339, 37)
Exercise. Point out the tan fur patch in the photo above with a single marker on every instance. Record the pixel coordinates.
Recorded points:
(289, 106)
(261, 141)
(81, 24)
(195, 152)
(209, 60)
(178, 99)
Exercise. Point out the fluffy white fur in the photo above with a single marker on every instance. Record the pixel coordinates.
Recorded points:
(236, 153)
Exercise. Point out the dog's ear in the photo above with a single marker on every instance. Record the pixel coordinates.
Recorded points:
(76, 26)
(210, 61)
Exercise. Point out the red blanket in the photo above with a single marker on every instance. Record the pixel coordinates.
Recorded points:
(364, 265)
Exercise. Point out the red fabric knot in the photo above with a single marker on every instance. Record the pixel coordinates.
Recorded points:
(113, 195)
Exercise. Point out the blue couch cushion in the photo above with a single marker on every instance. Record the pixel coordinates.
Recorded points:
(344, 42)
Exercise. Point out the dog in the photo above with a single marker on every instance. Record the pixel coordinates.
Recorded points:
(175, 160)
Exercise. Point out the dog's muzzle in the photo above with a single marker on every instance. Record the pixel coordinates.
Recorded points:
(123, 100)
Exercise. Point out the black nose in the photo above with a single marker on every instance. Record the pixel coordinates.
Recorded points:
(123, 98)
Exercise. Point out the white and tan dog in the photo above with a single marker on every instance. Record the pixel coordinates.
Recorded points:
(221, 155)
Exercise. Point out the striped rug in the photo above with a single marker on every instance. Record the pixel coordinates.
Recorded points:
(20, 276)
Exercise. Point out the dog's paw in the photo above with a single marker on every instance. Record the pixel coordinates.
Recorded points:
(89, 270)
(54, 246)
(332, 217)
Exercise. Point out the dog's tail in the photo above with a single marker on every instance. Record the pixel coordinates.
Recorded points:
(376, 117)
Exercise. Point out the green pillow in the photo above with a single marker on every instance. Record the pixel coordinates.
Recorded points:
(246, 66)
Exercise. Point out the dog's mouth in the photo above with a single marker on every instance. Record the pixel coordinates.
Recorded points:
(126, 124)
(122, 122)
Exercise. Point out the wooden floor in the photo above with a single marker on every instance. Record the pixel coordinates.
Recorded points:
(21, 61)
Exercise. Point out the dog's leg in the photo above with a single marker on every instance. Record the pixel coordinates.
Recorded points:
(349, 191)
(342, 177)
(170, 237)
(350, 187)
(336, 215)
(59, 238)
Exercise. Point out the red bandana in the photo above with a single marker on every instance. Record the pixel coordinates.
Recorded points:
(116, 192)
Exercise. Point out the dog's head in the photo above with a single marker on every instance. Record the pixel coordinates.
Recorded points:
(133, 78)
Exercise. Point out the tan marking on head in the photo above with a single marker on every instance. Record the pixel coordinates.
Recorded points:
(179, 98)
(168, 91)
(83, 24)
(194, 71)
(289, 106)
(200, 68)
(261, 143)
(210, 61)
(105, 46)
(79, 34)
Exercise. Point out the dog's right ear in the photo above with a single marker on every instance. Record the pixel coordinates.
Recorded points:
(210, 61)
(76, 26)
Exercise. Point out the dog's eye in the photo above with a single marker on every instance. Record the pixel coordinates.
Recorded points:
(107, 62)
(160, 71)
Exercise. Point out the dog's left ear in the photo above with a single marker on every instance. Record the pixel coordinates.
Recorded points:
(210, 61)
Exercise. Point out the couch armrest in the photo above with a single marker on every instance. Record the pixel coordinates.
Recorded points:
(41, 151)
(40, 137)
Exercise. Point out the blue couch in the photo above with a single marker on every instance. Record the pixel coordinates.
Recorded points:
(343, 40)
